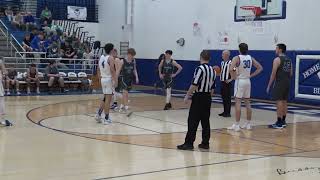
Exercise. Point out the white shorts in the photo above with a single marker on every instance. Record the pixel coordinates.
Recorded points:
(107, 86)
(242, 88)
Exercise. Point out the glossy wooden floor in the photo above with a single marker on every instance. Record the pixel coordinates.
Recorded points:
(56, 137)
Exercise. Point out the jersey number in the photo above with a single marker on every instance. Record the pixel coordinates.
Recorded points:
(246, 64)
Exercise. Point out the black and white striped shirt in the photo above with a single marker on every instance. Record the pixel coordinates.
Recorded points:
(204, 77)
(225, 70)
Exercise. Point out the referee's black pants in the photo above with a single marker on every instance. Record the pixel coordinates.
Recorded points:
(226, 97)
(199, 111)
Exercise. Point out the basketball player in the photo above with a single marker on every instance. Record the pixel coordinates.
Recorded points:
(166, 73)
(3, 122)
(281, 74)
(126, 77)
(241, 71)
(108, 80)
(32, 76)
(114, 97)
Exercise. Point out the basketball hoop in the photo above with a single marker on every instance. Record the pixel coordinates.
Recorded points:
(255, 12)
(250, 20)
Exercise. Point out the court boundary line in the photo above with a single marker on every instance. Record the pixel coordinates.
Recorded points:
(195, 166)
(79, 134)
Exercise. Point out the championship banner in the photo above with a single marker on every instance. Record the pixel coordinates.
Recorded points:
(308, 77)
(77, 13)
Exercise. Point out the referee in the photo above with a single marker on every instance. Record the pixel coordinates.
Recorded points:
(202, 87)
(225, 84)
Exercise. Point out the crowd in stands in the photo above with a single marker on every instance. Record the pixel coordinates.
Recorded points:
(48, 40)
(45, 39)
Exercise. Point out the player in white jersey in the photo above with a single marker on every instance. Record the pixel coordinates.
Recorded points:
(108, 80)
(3, 122)
(241, 66)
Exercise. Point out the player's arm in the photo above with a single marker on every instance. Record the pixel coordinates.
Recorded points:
(177, 65)
(195, 83)
(275, 66)
(160, 69)
(119, 65)
(37, 73)
(113, 70)
(233, 67)
(258, 67)
(136, 72)
(3, 68)
(28, 73)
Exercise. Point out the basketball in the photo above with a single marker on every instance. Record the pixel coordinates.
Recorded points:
(217, 69)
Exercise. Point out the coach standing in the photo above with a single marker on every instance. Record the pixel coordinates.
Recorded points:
(226, 84)
(202, 88)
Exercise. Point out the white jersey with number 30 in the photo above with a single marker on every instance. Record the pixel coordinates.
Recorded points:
(244, 68)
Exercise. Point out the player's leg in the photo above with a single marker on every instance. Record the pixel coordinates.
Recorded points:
(125, 99)
(278, 97)
(108, 92)
(168, 86)
(61, 84)
(246, 96)
(247, 125)
(3, 122)
(238, 93)
(284, 113)
(28, 81)
(98, 116)
(50, 84)
(8, 86)
(108, 98)
(16, 82)
(38, 85)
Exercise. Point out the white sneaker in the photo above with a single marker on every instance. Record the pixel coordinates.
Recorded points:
(122, 110)
(98, 118)
(246, 126)
(8, 93)
(107, 121)
(234, 127)
(18, 93)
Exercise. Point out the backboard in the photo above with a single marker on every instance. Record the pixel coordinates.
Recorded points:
(270, 9)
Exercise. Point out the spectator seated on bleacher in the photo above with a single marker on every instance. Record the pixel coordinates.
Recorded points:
(17, 21)
(39, 44)
(46, 15)
(32, 76)
(34, 33)
(9, 13)
(54, 76)
(68, 52)
(87, 55)
(26, 44)
(45, 27)
(11, 80)
(29, 21)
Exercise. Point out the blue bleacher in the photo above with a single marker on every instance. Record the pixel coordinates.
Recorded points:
(18, 34)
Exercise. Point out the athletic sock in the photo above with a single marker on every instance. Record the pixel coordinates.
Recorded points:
(284, 118)
(107, 117)
(168, 98)
(279, 120)
(248, 122)
(237, 123)
(126, 107)
(100, 111)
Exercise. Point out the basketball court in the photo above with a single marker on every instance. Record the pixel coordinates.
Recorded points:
(56, 137)
(50, 130)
